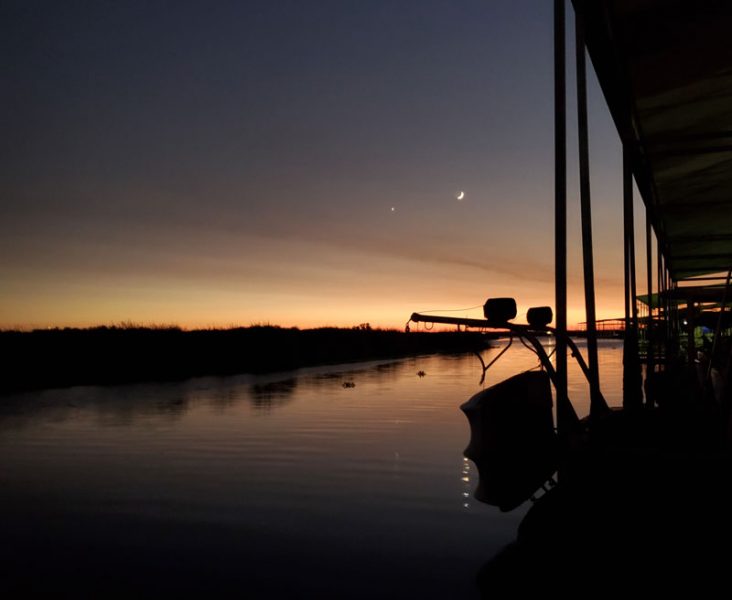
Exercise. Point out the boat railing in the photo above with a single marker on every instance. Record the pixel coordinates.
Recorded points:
(526, 331)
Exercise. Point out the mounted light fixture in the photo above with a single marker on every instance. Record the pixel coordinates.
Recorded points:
(499, 310)
(539, 316)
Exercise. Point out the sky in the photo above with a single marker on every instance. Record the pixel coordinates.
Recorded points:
(286, 162)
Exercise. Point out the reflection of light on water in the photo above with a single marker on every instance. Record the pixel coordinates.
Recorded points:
(465, 478)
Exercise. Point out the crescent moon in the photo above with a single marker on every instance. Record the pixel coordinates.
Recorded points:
(461, 195)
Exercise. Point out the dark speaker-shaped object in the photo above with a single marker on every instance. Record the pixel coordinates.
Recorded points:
(540, 316)
(499, 310)
(512, 438)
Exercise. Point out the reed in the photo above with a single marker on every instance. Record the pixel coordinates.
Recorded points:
(130, 352)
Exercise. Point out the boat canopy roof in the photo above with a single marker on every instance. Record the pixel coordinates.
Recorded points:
(665, 68)
(686, 294)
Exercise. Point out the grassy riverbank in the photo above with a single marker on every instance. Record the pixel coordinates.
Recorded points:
(102, 355)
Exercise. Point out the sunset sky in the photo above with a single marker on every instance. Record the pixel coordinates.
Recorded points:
(288, 162)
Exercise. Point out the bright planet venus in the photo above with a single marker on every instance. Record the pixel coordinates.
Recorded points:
(460, 195)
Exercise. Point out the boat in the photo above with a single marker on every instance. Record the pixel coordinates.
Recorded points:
(635, 497)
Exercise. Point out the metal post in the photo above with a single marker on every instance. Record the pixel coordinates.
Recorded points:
(560, 217)
(596, 404)
(718, 328)
(627, 198)
(670, 352)
(690, 328)
(631, 245)
(660, 286)
(632, 381)
(649, 327)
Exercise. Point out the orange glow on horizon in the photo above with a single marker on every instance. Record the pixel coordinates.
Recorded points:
(377, 317)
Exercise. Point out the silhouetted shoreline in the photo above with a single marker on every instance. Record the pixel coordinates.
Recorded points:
(109, 355)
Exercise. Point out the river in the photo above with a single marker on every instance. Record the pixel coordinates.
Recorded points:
(285, 485)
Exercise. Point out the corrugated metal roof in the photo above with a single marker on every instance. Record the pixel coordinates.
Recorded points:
(665, 67)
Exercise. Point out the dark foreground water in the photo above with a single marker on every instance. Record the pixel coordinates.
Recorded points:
(289, 485)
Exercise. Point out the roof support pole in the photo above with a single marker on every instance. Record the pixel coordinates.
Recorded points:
(649, 327)
(661, 302)
(718, 328)
(626, 250)
(597, 404)
(667, 311)
(632, 380)
(631, 245)
(564, 417)
(674, 312)
(668, 345)
(690, 328)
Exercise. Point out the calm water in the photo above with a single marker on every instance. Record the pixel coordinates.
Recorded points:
(276, 486)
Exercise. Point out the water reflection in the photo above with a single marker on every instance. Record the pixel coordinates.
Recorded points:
(390, 367)
(184, 480)
(121, 406)
(266, 396)
(117, 406)
(125, 405)
(465, 478)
